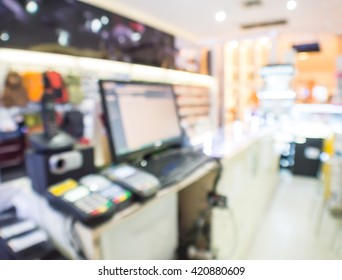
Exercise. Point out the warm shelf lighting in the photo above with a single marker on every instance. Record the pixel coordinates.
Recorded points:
(303, 56)
(234, 44)
(264, 41)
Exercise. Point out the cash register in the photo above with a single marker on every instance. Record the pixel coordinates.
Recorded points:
(144, 130)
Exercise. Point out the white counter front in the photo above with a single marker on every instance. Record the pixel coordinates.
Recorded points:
(249, 177)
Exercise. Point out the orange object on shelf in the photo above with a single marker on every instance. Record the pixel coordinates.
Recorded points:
(34, 84)
(54, 84)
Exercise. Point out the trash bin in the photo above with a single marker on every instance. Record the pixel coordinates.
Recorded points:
(307, 156)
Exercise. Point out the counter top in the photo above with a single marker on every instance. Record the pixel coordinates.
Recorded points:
(233, 139)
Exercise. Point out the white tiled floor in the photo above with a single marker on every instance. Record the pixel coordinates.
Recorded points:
(288, 230)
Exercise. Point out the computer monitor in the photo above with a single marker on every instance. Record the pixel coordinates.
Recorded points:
(141, 118)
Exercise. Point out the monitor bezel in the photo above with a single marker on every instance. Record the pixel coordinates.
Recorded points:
(141, 154)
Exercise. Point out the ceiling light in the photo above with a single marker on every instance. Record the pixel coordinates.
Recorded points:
(104, 20)
(136, 37)
(32, 7)
(63, 38)
(220, 16)
(4, 36)
(95, 25)
(291, 5)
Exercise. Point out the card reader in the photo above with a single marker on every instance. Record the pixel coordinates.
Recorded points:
(121, 197)
(142, 184)
(91, 208)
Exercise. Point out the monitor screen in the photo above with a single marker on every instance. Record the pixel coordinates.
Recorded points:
(141, 118)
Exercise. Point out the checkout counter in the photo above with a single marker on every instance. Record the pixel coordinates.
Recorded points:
(153, 230)
(156, 228)
(249, 178)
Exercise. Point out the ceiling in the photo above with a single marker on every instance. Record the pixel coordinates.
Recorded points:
(195, 19)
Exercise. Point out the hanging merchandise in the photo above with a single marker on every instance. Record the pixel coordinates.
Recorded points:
(14, 93)
(33, 82)
(73, 84)
(54, 84)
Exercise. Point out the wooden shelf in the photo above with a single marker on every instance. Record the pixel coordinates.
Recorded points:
(241, 77)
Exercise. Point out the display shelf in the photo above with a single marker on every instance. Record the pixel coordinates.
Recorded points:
(22, 60)
(194, 103)
(196, 93)
(242, 62)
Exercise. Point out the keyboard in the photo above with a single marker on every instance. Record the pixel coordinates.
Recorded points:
(173, 166)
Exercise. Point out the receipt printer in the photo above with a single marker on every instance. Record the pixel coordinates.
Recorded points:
(46, 169)
(54, 156)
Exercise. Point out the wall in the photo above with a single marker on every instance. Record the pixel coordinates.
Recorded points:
(312, 68)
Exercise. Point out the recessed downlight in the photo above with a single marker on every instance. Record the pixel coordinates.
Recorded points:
(95, 25)
(220, 16)
(32, 7)
(104, 20)
(4, 36)
(63, 37)
(136, 36)
(291, 5)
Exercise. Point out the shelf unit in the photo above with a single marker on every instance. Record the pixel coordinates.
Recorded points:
(242, 61)
(194, 103)
(196, 93)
